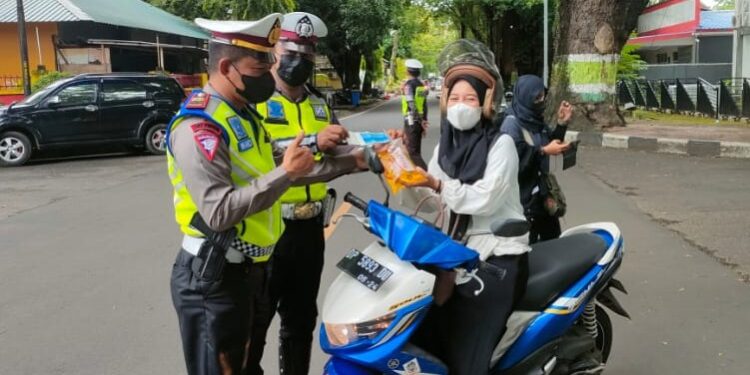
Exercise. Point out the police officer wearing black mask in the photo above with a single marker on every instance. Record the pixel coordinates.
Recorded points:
(297, 263)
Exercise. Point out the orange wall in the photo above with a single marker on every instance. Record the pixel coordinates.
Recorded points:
(10, 63)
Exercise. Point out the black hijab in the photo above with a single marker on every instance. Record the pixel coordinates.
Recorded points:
(522, 107)
(463, 154)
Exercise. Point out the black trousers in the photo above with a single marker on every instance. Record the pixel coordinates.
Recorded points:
(544, 228)
(296, 266)
(219, 320)
(413, 136)
(464, 332)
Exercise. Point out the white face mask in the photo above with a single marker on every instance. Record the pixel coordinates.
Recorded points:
(464, 117)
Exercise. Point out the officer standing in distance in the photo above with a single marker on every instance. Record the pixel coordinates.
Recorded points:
(414, 108)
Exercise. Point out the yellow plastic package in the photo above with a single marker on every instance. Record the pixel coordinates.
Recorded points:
(400, 171)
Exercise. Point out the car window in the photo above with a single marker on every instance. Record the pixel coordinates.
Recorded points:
(123, 91)
(164, 88)
(37, 96)
(82, 94)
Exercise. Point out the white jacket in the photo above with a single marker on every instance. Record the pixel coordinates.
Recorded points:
(494, 197)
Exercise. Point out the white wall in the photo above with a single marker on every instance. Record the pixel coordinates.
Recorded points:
(672, 15)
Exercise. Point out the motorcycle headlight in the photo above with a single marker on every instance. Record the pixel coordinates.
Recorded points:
(347, 334)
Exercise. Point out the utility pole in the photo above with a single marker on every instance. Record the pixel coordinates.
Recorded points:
(546, 44)
(23, 48)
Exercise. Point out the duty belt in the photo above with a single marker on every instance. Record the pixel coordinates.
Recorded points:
(237, 253)
(301, 211)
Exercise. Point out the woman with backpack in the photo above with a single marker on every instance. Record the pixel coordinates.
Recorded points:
(535, 142)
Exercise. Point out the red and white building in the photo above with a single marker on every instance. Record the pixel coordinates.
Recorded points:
(685, 39)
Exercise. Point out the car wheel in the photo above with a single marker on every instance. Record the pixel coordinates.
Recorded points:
(15, 149)
(156, 139)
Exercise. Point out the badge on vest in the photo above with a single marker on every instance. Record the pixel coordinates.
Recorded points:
(245, 144)
(320, 112)
(198, 101)
(275, 110)
(236, 124)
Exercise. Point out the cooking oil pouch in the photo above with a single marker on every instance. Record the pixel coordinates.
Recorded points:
(400, 171)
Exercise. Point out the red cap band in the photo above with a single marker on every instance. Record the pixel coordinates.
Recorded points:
(293, 37)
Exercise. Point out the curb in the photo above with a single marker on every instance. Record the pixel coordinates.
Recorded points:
(690, 147)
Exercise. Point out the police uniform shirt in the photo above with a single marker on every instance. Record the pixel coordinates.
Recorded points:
(410, 91)
(209, 182)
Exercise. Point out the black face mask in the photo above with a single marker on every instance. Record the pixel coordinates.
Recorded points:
(295, 70)
(257, 89)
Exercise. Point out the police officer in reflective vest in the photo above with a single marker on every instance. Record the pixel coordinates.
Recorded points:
(298, 259)
(414, 108)
(228, 177)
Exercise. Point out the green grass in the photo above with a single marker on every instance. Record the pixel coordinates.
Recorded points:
(660, 118)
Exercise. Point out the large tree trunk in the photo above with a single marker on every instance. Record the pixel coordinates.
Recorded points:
(590, 35)
(346, 62)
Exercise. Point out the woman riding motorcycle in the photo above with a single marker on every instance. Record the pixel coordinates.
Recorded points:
(474, 172)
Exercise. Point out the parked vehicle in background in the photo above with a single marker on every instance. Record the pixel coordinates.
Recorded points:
(131, 109)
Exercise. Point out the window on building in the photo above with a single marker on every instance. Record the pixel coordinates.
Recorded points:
(662, 58)
(675, 56)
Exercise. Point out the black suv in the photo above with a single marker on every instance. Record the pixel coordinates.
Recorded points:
(91, 109)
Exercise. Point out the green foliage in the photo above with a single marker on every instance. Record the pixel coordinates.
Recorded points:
(725, 5)
(427, 45)
(631, 64)
(377, 67)
(47, 79)
(357, 28)
(511, 28)
(422, 35)
(224, 9)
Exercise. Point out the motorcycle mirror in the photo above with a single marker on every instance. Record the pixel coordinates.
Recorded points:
(510, 228)
(387, 192)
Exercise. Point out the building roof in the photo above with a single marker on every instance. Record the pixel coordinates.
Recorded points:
(127, 13)
(716, 20)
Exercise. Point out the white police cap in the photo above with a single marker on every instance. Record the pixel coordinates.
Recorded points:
(300, 31)
(413, 64)
(256, 36)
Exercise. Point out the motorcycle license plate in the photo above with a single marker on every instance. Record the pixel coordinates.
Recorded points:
(364, 269)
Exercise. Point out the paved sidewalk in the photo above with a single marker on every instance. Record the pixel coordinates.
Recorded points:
(707, 141)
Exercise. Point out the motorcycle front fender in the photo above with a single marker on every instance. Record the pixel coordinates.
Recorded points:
(338, 366)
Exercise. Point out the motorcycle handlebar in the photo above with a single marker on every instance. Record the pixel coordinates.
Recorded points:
(355, 201)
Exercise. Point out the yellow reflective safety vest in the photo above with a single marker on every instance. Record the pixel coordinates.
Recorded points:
(251, 156)
(420, 98)
(284, 119)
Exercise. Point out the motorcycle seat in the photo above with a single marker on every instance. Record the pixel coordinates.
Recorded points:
(555, 265)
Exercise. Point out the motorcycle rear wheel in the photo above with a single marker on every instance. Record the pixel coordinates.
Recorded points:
(604, 333)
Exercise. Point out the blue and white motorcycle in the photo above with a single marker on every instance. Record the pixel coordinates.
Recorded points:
(383, 293)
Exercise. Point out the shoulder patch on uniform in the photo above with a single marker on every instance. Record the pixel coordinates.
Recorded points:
(198, 101)
(207, 136)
